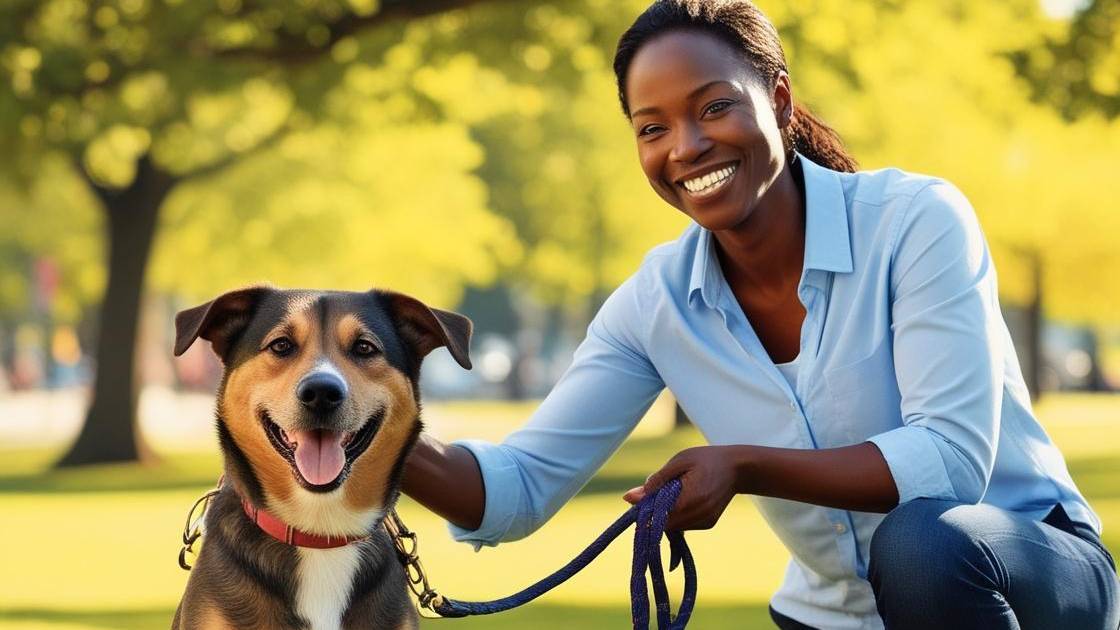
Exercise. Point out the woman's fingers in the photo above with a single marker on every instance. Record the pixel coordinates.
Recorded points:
(633, 495)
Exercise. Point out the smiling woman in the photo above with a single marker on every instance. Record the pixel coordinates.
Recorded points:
(836, 336)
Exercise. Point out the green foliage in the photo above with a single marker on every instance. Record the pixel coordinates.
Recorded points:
(303, 145)
(928, 87)
(560, 161)
(1077, 71)
(48, 217)
(486, 142)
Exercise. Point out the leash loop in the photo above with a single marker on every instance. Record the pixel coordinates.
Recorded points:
(649, 517)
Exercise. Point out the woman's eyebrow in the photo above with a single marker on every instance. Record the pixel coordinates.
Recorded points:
(691, 95)
(708, 85)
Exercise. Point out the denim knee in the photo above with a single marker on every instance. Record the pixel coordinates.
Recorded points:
(915, 550)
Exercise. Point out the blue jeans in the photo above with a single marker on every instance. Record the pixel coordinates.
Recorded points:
(939, 564)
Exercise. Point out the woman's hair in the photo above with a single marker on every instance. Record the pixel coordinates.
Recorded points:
(743, 26)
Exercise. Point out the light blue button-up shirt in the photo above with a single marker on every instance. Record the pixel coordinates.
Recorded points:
(903, 345)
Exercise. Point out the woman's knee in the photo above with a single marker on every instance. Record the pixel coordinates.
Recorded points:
(921, 541)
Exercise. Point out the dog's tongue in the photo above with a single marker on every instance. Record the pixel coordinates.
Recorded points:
(319, 455)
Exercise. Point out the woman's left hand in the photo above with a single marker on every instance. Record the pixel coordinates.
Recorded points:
(709, 479)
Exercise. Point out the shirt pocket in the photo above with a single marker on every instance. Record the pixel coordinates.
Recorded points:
(862, 397)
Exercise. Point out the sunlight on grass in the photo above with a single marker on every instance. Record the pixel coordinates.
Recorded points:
(96, 547)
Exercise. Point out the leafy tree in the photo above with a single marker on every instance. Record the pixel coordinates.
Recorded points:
(144, 99)
(929, 87)
(488, 143)
(1077, 69)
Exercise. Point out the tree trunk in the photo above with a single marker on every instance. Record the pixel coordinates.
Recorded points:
(7, 352)
(110, 432)
(1034, 328)
(1096, 380)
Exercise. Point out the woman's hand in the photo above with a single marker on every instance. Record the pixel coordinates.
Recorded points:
(709, 479)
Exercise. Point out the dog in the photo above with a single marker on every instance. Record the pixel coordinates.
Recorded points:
(317, 411)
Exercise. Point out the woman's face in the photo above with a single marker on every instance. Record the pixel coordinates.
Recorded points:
(707, 129)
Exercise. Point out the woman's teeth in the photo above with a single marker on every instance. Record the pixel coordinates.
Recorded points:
(708, 183)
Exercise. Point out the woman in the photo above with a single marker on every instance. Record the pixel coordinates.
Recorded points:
(837, 338)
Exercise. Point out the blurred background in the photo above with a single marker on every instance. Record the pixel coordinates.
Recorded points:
(471, 153)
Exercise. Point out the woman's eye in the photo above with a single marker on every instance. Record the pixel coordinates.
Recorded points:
(649, 130)
(717, 107)
(364, 348)
(282, 346)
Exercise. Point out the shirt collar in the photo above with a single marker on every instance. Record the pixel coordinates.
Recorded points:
(828, 245)
(705, 277)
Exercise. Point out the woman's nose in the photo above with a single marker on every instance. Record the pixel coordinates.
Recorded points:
(690, 143)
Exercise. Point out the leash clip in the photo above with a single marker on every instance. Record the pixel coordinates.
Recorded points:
(407, 545)
(192, 530)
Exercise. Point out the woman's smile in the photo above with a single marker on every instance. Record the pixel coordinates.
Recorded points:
(706, 185)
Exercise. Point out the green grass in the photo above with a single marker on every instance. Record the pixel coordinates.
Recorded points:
(95, 548)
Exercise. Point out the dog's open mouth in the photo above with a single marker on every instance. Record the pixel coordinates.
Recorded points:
(321, 458)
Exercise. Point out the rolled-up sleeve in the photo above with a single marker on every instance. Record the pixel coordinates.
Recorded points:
(947, 351)
(584, 419)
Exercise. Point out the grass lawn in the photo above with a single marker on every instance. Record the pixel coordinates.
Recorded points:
(96, 548)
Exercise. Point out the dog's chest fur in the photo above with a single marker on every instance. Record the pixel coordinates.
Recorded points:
(326, 577)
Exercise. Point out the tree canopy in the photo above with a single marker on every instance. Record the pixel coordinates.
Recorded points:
(428, 145)
(362, 144)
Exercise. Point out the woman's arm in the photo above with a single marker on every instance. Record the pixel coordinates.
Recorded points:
(499, 492)
(850, 478)
(446, 480)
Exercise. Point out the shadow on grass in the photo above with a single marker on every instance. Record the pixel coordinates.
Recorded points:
(174, 472)
(30, 472)
(132, 619)
(536, 616)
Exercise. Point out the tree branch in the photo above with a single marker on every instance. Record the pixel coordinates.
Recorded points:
(293, 50)
(232, 157)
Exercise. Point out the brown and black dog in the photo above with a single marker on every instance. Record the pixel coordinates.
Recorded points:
(317, 410)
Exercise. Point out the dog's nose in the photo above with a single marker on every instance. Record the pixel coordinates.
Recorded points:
(321, 391)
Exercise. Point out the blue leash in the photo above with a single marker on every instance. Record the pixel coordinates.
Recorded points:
(650, 515)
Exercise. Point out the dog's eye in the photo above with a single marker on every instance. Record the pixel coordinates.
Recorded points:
(282, 346)
(364, 348)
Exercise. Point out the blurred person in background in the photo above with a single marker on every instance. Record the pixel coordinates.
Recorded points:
(837, 338)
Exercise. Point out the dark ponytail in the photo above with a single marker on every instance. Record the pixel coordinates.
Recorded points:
(811, 137)
(745, 28)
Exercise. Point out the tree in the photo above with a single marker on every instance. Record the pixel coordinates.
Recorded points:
(925, 86)
(1077, 69)
(142, 98)
(279, 129)
(935, 91)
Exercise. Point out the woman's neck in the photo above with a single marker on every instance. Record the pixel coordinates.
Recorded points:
(764, 255)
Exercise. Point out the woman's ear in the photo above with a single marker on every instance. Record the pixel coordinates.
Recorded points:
(781, 99)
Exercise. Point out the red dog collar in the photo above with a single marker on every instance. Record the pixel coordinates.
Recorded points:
(289, 535)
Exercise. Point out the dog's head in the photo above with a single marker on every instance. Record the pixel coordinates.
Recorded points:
(319, 403)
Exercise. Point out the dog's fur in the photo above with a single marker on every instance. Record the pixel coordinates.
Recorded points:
(243, 578)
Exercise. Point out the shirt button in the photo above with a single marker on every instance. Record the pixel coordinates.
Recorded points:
(793, 406)
(840, 528)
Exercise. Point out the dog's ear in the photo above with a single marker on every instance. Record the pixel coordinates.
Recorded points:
(218, 320)
(426, 328)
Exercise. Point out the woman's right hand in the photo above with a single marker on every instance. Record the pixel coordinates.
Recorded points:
(709, 480)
